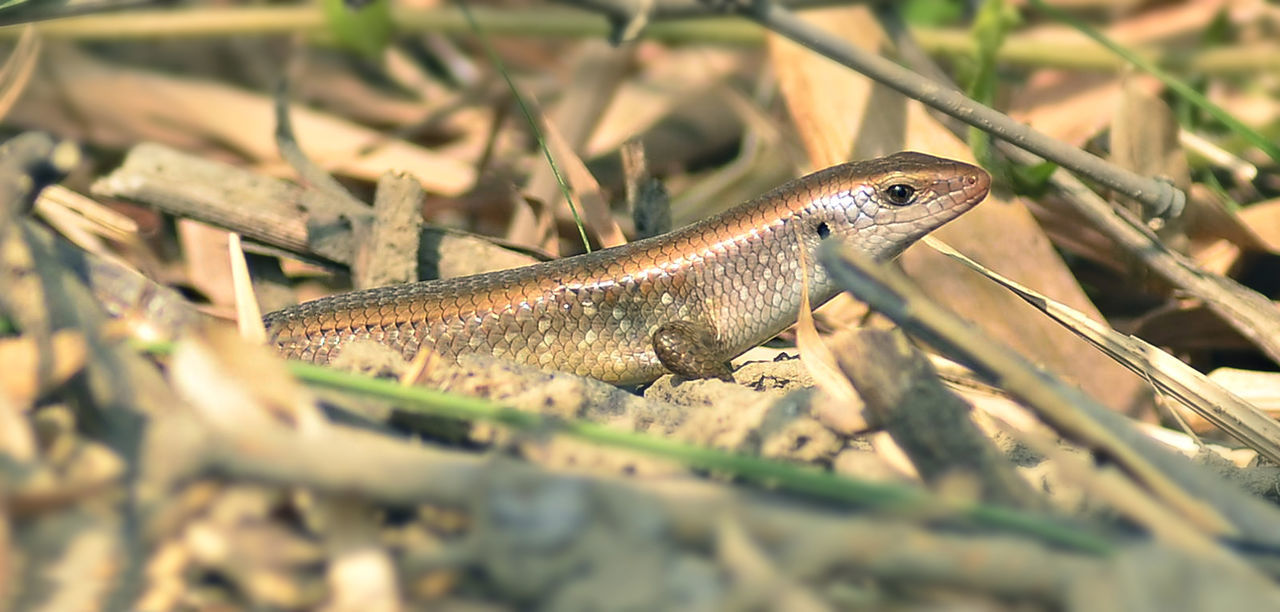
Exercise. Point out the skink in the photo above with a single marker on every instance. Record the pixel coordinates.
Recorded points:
(685, 302)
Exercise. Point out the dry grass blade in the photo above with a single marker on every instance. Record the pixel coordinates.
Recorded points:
(192, 113)
(16, 72)
(1107, 483)
(835, 112)
(840, 114)
(821, 364)
(595, 208)
(86, 214)
(1196, 494)
(1233, 415)
(475, 483)
(248, 315)
(1003, 229)
(233, 384)
(1246, 310)
(930, 423)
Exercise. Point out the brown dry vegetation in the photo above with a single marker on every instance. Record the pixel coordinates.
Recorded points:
(1094, 432)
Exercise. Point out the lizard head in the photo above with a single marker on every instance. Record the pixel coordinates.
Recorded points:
(884, 205)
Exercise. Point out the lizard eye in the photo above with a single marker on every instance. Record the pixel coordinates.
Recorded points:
(900, 194)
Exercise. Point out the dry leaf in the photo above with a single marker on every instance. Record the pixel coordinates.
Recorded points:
(1005, 236)
(591, 203)
(103, 103)
(20, 375)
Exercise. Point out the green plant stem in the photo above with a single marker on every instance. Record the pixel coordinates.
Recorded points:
(899, 499)
(534, 123)
(799, 479)
(1179, 87)
(554, 22)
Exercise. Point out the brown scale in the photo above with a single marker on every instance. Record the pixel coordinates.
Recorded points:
(685, 302)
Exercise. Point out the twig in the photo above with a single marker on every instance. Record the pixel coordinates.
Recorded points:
(40, 294)
(301, 221)
(540, 21)
(1216, 404)
(311, 173)
(1217, 507)
(403, 473)
(1247, 311)
(1157, 198)
(389, 254)
(524, 220)
(928, 421)
(795, 478)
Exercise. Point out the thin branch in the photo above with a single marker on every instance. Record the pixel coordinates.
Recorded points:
(798, 479)
(1156, 197)
(1196, 493)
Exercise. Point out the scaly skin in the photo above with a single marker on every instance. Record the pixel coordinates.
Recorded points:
(704, 293)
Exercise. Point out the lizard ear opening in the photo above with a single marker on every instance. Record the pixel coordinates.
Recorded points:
(823, 230)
